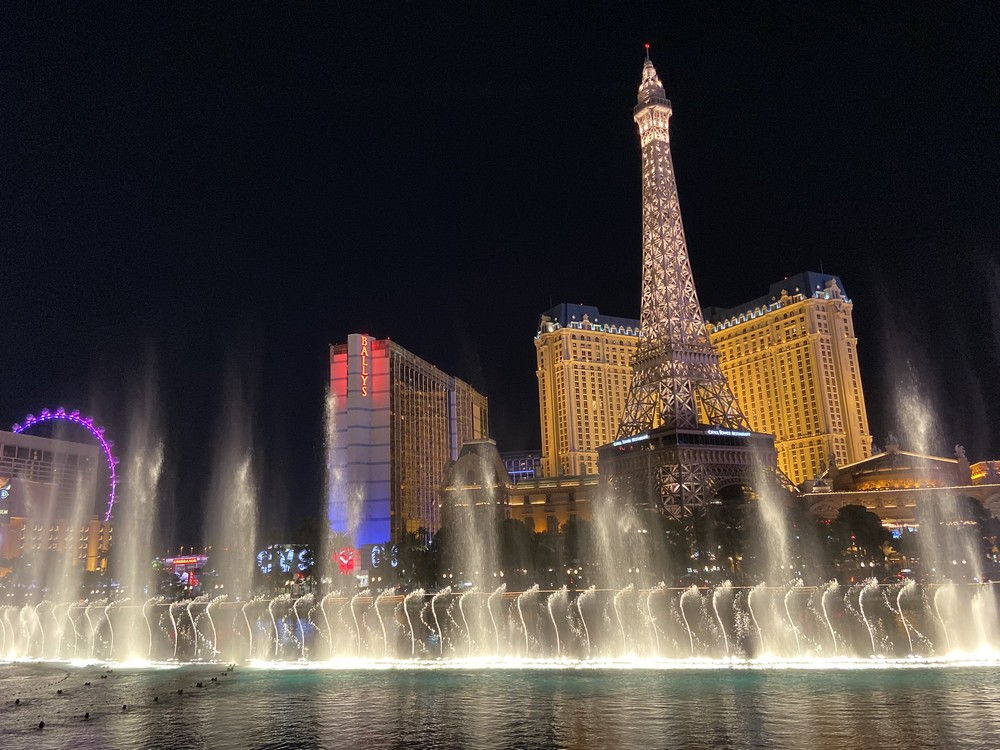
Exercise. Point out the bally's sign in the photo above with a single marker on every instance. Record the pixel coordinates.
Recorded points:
(365, 357)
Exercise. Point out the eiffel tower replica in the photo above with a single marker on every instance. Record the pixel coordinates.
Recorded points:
(683, 438)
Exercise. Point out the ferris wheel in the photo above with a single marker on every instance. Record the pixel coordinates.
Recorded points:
(87, 423)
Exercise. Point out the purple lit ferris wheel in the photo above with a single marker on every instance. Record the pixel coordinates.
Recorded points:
(86, 423)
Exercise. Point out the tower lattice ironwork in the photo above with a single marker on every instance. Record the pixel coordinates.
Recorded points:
(676, 381)
(683, 435)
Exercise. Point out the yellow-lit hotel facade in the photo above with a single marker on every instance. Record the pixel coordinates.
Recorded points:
(790, 358)
(584, 368)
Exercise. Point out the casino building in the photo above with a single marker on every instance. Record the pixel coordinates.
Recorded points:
(396, 421)
(790, 357)
(584, 369)
(900, 486)
(50, 502)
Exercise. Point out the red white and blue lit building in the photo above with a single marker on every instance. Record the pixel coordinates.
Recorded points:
(396, 421)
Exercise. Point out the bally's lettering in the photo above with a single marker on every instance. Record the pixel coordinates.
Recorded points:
(364, 366)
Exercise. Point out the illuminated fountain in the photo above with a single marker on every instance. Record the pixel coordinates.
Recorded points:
(630, 617)
(722, 625)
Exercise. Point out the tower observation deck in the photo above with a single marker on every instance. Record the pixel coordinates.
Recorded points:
(683, 437)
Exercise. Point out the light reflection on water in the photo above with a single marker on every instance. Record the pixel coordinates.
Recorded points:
(524, 708)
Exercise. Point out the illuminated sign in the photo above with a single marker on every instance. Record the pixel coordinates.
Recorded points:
(729, 433)
(380, 554)
(193, 560)
(284, 558)
(4, 498)
(364, 366)
(633, 439)
(347, 559)
(182, 565)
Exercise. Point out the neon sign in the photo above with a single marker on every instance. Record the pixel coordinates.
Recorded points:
(347, 560)
(729, 433)
(192, 560)
(380, 554)
(364, 366)
(264, 561)
(283, 558)
(633, 439)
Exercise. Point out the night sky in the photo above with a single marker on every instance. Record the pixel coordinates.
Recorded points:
(212, 189)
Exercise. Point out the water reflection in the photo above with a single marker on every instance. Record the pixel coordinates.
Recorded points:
(892, 708)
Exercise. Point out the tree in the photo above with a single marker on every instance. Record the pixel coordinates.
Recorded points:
(517, 543)
(856, 525)
(416, 563)
(578, 541)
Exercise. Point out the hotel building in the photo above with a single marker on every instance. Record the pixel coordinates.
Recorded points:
(49, 501)
(790, 358)
(584, 369)
(396, 421)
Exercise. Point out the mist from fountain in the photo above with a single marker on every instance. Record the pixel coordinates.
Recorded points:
(474, 516)
(65, 572)
(628, 617)
(232, 512)
(627, 549)
(773, 546)
(134, 548)
(335, 488)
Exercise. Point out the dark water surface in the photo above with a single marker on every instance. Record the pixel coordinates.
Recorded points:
(443, 708)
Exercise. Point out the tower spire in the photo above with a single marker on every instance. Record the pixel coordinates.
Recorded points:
(650, 89)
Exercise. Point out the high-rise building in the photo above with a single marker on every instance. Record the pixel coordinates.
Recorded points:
(395, 422)
(584, 368)
(49, 501)
(791, 358)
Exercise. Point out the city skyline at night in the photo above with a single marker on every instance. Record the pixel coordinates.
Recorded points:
(244, 209)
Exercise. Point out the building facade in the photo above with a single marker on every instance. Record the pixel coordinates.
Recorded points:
(900, 486)
(481, 479)
(791, 357)
(584, 368)
(522, 465)
(49, 501)
(395, 421)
